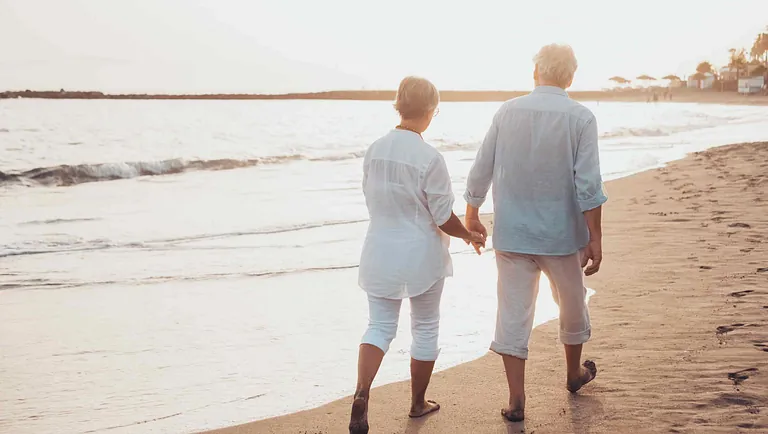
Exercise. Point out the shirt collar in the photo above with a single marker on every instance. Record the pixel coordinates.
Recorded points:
(550, 89)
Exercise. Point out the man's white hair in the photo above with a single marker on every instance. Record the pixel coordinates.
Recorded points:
(557, 64)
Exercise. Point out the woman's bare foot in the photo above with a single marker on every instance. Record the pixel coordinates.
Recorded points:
(515, 412)
(588, 373)
(358, 422)
(516, 415)
(424, 409)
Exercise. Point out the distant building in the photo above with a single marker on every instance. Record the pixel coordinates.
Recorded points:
(706, 83)
(729, 74)
(751, 85)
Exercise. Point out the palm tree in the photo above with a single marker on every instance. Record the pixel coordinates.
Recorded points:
(759, 49)
(738, 61)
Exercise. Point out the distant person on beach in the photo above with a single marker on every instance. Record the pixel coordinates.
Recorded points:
(541, 156)
(405, 255)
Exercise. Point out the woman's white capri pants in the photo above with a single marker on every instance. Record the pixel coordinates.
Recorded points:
(425, 321)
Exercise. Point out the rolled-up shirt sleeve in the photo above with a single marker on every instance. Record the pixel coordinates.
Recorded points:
(590, 192)
(438, 189)
(481, 173)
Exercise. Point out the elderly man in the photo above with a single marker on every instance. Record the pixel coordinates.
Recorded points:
(541, 155)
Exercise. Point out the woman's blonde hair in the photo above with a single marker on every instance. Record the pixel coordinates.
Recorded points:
(416, 97)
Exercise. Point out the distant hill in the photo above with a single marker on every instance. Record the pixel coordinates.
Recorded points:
(634, 95)
(362, 95)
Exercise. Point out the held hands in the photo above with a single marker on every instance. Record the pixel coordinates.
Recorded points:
(477, 240)
(478, 232)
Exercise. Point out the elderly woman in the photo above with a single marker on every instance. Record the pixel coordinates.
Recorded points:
(410, 201)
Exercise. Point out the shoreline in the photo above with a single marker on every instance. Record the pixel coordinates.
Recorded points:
(636, 95)
(681, 329)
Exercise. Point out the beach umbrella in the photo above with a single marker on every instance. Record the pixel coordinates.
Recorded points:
(619, 80)
(646, 79)
(672, 78)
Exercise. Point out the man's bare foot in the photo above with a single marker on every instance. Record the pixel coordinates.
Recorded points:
(513, 415)
(358, 423)
(587, 374)
(424, 409)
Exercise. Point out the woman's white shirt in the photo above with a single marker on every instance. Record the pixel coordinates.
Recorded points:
(408, 193)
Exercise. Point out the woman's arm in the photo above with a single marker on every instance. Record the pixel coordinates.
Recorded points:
(455, 228)
(439, 192)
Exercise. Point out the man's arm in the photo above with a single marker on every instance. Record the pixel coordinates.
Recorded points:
(590, 194)
(480, 177)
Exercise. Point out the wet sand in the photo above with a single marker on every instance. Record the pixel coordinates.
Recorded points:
(680, 322)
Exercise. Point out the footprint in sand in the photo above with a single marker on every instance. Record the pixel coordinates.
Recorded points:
(761, 346)
(741, 293)
(704, 267)
(728, 328)
(739, 377)
(739, 225)
(762, 270)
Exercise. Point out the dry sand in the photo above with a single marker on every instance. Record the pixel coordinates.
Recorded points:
(680, 322)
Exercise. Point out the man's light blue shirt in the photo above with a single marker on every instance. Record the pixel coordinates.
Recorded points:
(541, 156)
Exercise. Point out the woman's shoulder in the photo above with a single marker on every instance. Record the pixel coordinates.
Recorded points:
(404, 146)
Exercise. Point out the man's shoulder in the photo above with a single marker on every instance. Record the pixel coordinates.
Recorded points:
(580, 110)
(534, 101)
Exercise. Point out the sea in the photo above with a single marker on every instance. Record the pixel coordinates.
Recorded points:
(177, 266)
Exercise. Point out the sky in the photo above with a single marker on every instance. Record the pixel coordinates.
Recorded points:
(195, 46)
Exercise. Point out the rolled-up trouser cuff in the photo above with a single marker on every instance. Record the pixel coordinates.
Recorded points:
(509, 350)
(575, 338)
(377, 339)
(424, 355)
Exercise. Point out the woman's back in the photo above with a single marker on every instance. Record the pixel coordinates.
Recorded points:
(393, 170)
(408, 193)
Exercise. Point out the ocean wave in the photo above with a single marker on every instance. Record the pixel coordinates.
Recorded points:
(80, 245)
(652, 132)
(68, 175)
(38, 284)
(58, 221)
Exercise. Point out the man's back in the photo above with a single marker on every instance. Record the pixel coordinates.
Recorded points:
(541, 156)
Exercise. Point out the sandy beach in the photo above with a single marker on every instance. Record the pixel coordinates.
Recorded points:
(680, 322)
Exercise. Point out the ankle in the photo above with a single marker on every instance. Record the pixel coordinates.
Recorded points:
(517, 401)
(576, 376)
(362, 394)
